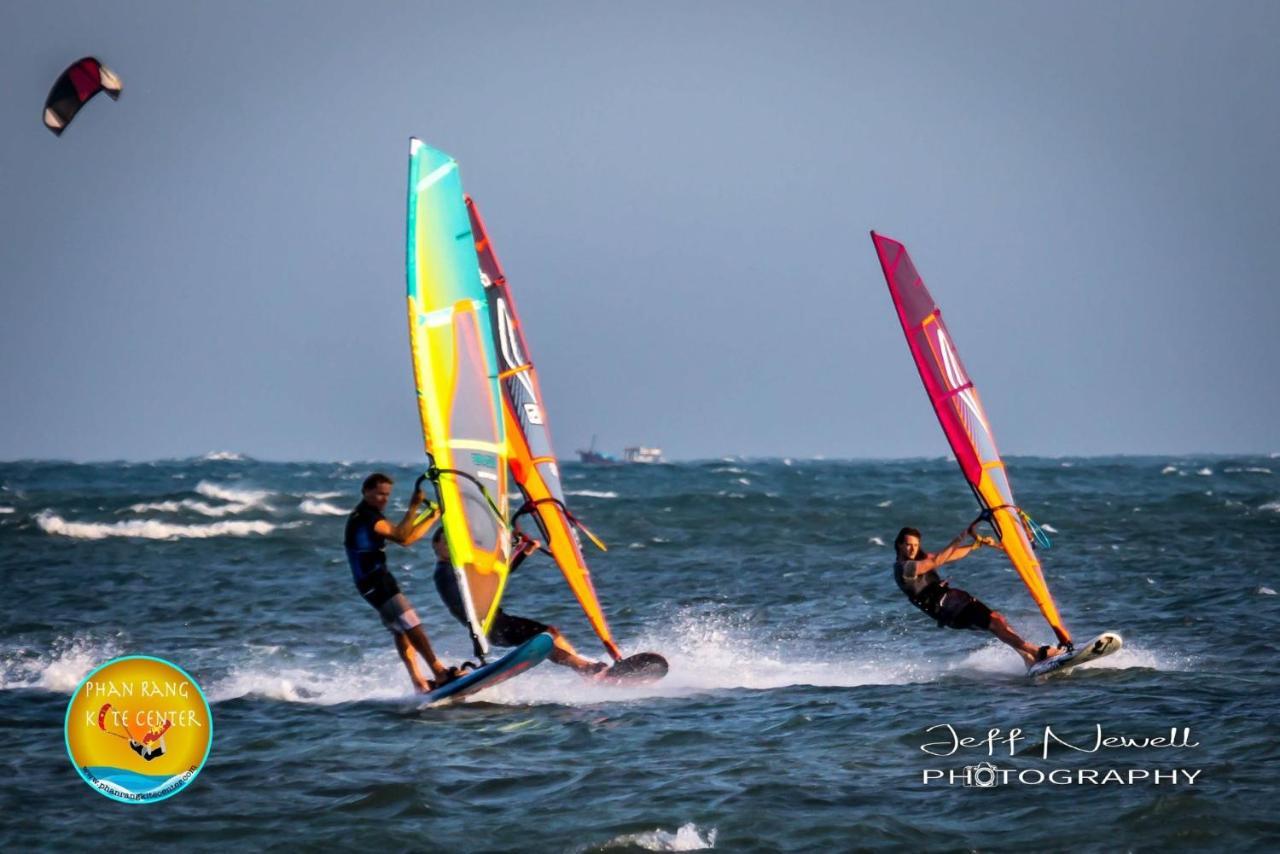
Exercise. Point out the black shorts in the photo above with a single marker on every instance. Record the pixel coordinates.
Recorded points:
(381, 591)
(510, 630)
(959, 610)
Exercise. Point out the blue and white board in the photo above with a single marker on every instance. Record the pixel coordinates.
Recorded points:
(529, 654)
(1104, 644)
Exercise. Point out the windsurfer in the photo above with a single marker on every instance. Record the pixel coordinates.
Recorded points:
(916, 573)
(508, 629)
(366, 535)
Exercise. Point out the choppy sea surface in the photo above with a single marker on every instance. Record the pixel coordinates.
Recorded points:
(803, 686)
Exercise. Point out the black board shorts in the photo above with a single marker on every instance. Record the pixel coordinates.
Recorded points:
(510, 630)
(382, 592)
(507, 629)
(960, 610)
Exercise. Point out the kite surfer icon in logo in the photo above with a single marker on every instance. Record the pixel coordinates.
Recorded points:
(138, 729)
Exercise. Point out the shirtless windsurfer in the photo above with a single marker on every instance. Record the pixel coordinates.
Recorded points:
(916, 573)
(508, 629)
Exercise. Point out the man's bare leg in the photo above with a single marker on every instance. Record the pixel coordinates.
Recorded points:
(417, 636)
(564, 654)
(999, 627)
(411, 664)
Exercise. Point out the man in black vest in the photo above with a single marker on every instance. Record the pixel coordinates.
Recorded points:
(916, 573)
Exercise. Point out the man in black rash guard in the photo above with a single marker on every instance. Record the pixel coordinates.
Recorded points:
(366, 535)
(916, 573)
(507, 629)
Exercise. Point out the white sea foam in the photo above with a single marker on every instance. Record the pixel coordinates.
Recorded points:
(591, 493)
(1266, 591)
(1067, 465)
(1273, 506)
(201, 507)
(1132, 655)
(148, 529)
(223, 456)
(996, 657)
(7, 510)
(1205, 472)
(729, 470)
(886, 503)
(875, 541)
(713, 653)
(1169, 470)
(231, 494)
(687, 837)
(325, 496)
(705, 654)
(1248, 470)
(379, 678)
(1049, 528)
(321, 508)
(744, 481)
(59, 669)
(786, 461)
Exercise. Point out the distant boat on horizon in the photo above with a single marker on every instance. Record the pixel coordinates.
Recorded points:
(641, 454)
(635, 455)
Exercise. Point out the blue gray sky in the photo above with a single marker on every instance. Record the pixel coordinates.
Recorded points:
(681, 195)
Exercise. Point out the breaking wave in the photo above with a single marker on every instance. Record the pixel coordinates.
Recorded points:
(321, 508)
(148, 529)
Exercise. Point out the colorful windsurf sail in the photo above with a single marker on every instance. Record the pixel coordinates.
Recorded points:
(455, 370)
(533, 463)
(955, 400)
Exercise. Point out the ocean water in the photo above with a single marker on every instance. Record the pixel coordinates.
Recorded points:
(807, 701)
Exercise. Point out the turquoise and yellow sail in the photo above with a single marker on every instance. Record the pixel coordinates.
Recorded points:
(455, 371)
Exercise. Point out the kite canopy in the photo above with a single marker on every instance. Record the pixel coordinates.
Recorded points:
(83, 79)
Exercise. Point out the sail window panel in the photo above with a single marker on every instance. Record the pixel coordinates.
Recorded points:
(472, 415)
(529, 413)
(480, 520)
(1001, 483)
(551, 477)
